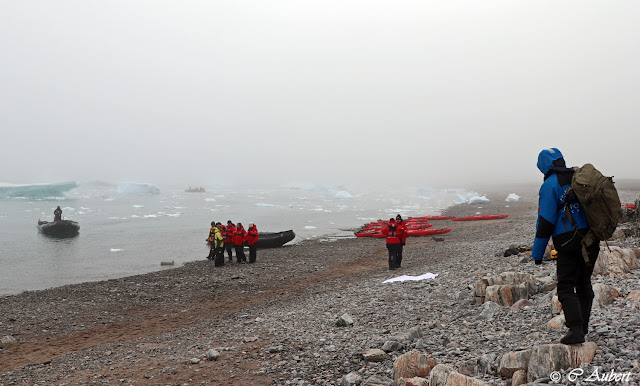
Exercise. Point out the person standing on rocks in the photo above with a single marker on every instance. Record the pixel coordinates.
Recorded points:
(394, 242)
(230, 229)
(401, 224)
(57, 214)
(238, 242)
(211, 241)
(252, 239)
(574, 274)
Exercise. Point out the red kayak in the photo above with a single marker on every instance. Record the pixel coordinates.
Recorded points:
(485, 217)
(629, 206)
(430, 218)
(428, 232)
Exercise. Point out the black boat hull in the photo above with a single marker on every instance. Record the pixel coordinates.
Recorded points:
(274, 239)
(59, 229)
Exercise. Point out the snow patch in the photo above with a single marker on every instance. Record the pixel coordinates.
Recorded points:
(427, 275)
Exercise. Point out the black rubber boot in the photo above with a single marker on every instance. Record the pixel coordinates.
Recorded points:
(574, 336)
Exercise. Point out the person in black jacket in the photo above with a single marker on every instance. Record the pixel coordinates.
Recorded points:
(57, 214)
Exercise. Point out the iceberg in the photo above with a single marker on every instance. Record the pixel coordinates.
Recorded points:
(127, 188)
(512, 198)
(43, 190)
(343, 195)
(478, 199)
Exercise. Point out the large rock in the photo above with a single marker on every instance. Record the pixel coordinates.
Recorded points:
(412, 364)
(353, 378)
(604, 295)
(556, 323)
(519, 378)
(440, 375)
(375, 355)
(615, 262)
(7, 340)
(556, 306)
(505, 289)
(513, 361)
(555, 357)
(409, 336)
(391, 346)
(634, 296)
(377, 380)
(457, 379)
(344, 321)
(546, 359)
(415, 381)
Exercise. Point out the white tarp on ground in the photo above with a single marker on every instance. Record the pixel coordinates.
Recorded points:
(427, 275)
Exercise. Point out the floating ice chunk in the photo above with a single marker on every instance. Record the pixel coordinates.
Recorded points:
(126, 188)
(150, 216)
(264, 205)
(8, 190)
(309, 227)
(210, 199)
(114, 218)
(115, 250)
(478, 199)
(512, 198)
(138, 206)
(427, 275)
(343, 195)
(69, 209)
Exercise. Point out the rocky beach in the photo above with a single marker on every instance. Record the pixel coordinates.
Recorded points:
(318, 312)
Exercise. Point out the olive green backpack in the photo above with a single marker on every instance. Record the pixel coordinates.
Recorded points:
(599, 197)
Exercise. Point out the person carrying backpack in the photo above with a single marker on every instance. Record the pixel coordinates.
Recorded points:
(566, 222)
(394, 235)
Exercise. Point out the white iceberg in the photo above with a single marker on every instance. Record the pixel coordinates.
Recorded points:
(512, 198)
(478, 200)
(131, 188)
(343, 195)
(115, 250)
(427, 275)
(43, 190)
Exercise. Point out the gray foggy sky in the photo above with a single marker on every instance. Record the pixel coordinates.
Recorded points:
(396, 92)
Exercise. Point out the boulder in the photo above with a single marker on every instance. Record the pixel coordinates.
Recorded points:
(457, 379)
(375, 355)
(604, 295)
(7, 340)
(353, 378)
(391, 346)
(505, 289)
(415, 381)
(634, 296)
(519, 378)
(440, 375)
(556, 306)
(344, 321)
(213, 355)
(615, 262)
(547, 358)
(377, 380)
(513, 361)
(473, 367)
(582, 353)
(412, 364)
(521, 303)
(488, 310)
(556, 323)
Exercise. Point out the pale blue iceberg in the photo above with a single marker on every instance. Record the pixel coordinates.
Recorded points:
(44, 190)
(131, 188)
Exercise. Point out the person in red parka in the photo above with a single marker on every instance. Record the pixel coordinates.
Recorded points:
(238, 242)
(229, 230)
(252, 238)
(394, 236)
(401, 224)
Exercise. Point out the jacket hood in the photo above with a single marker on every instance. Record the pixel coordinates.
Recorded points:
(550, 158)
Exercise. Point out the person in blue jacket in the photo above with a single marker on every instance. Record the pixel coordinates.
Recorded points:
(574, 275)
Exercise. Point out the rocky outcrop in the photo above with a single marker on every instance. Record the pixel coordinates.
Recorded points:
(375, 355)
(604, 295)
(513, 361)
(634, 296)
(412, 364)
(415, 381)
(457, 379)
(556, 323)
(440, 375)
(554, 357)
(615, 262)
(505, 289)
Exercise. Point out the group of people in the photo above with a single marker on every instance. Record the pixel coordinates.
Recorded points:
(229, 237)
(396, 234)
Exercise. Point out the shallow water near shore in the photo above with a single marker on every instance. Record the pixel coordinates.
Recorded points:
(132, 234)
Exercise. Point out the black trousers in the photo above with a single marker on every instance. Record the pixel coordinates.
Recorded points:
(240, 256)
(394, 251)
(399, 256)
(575, 292)
(219, 256)
(229, 247)
(252, 254)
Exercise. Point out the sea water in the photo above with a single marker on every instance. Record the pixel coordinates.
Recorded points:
(124, 234)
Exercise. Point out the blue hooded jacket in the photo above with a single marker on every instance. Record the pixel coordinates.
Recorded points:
(552, 220)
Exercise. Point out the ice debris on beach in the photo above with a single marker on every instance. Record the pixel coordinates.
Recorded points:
(471, 198)
(427, 275)
(512, 198)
